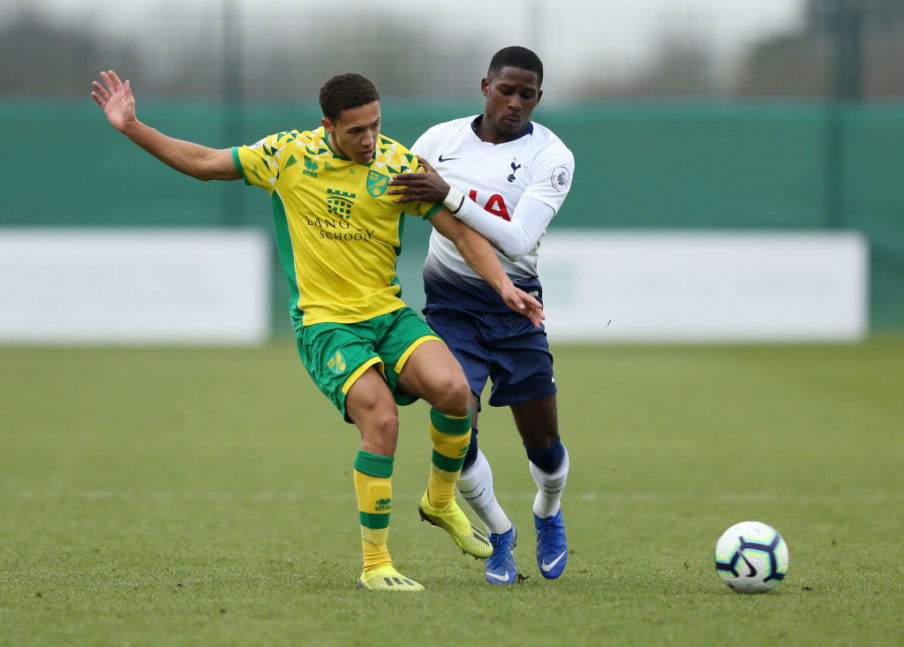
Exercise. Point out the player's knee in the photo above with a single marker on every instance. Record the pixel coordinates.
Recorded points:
(540, 438)
(370, 404)
(374, 413)
(452, 395)
(386, 423)
(379, 432)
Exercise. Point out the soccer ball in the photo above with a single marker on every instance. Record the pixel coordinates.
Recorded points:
(751, 557)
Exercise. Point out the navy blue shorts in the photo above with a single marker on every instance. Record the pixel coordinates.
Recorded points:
(502, 346)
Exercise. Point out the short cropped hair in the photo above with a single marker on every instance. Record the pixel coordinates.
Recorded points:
(344, 92)
(519, 57)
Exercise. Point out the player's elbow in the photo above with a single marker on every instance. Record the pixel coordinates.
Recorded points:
(214, 165)
(517, 249)
(197, 169)
(206, 174)
(515, 254)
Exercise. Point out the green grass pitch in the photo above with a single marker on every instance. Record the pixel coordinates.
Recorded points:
(204, 497)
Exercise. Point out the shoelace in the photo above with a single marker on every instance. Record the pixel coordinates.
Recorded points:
(498, 557)
(549, 525)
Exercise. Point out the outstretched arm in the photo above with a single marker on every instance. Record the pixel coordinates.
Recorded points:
(118, 103)
(482, 259)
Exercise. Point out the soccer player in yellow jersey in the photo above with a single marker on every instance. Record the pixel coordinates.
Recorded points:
(338, 233)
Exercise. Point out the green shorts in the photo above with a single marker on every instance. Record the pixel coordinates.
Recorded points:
(336, 355)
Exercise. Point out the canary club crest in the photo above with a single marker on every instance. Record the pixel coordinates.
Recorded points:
(377, 183)
(336, 363)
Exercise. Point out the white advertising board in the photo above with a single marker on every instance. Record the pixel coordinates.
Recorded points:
(704, 286)
(134, 286)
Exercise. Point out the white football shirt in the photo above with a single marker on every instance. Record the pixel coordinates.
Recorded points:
(536, 165)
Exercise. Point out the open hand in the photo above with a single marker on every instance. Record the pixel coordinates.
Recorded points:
(115, 97)
(428, 186)
(523, 303)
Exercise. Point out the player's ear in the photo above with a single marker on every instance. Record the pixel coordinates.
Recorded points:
(539, 95)
(327, 124)
(484, 86)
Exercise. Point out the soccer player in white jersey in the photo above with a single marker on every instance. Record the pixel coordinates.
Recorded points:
(506, 177)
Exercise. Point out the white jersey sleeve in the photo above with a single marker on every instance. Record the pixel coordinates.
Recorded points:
(512, 190)
(551, 175)
(515, 237)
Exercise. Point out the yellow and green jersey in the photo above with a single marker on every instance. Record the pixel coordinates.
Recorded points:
(338, 231)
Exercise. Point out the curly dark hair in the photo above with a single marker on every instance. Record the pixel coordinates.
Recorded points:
(515, 56)
(344, 92)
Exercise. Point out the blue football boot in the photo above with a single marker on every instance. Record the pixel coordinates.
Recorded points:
(500, 566)
(552, 548)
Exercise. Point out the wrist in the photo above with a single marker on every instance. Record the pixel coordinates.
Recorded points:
(132, 129)
(503, 285)
(454, 200)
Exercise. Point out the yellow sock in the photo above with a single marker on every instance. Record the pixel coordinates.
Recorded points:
(451, 436)
(373, 488)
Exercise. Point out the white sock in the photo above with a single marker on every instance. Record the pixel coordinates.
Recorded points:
(549, 488)
(476, 486)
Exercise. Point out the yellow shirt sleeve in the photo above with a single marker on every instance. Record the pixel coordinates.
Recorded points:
(262, 163)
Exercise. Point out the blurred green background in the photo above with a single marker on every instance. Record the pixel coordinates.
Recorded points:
(682, 114)
(665, 166)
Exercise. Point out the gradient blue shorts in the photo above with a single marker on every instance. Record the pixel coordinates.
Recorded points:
(501, 345)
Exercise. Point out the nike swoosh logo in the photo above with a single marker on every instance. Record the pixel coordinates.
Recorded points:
(447, 159)
(501, 578)
(548, 567)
